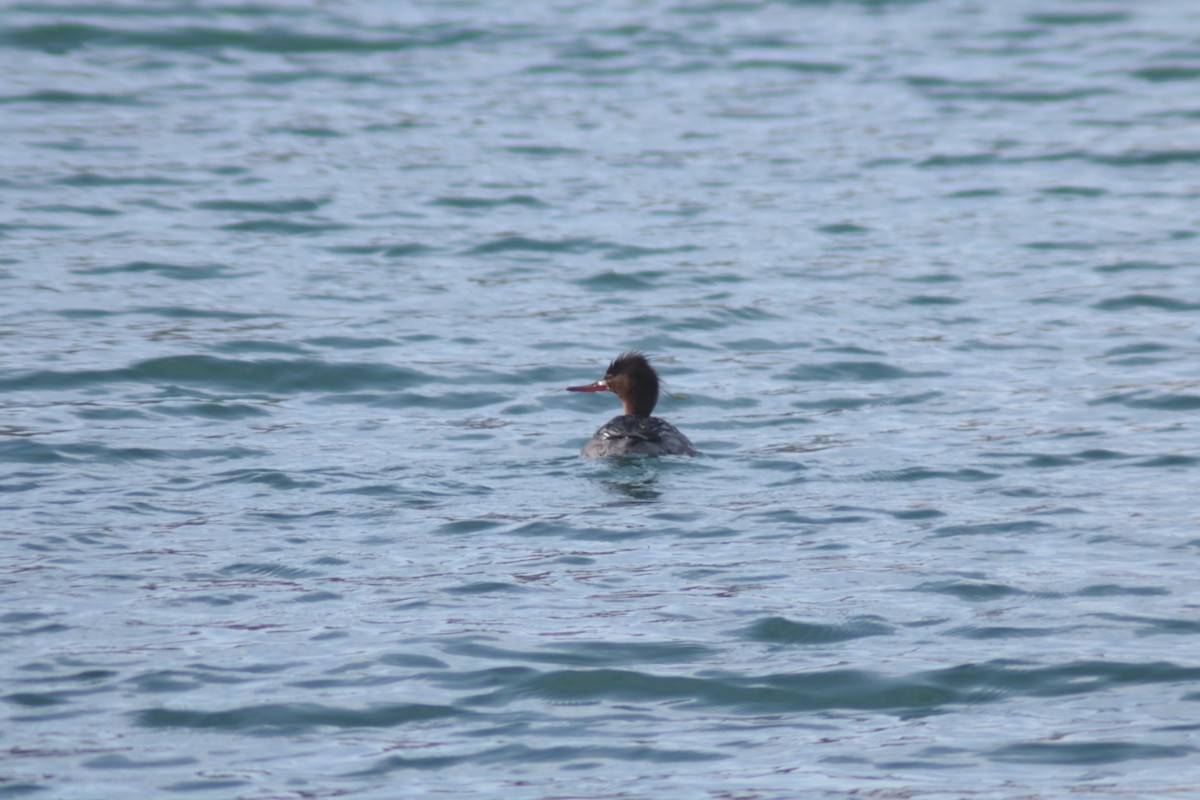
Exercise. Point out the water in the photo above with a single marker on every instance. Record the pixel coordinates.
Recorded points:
(291, 502)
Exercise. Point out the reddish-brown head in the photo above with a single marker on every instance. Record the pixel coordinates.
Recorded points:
(633, 380)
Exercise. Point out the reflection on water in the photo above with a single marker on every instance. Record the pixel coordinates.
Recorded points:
(639, 481)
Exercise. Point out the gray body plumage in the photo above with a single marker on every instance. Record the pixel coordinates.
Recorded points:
(630, 435)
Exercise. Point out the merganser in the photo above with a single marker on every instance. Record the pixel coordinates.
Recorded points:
(632, 379)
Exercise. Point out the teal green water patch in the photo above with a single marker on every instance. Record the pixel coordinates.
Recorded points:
(56, 97)
(573, 530)
(214, 600)
(1137, 349)
(510, 244)
(938, 82)
(388, 251)
(1148, 158)
(993, 528)
(79, 684)
(622, 281)
(1167, 73)
(312, 132)
(517, 244)
(970, 591)
(32, 700)
(1021, 96)
(1168, 461)
(1044, 460)
(934, 300)
(791, 65)
(1088, 753)
(21, 617)
(1004, 632)
(267, 477)
(391, 127)
(1169, 401)
(484, 588)
(623, 252)
(293, 206)
(82, 677)
(179, 272)
(1133, 266)
(783, 693)
(380, 490)
(589, 653)
(91, 180)
(467, 526)
(1060, 245)
(1074, 678)
(1101, 454)
(28, 451)
(25, 450)
(279, 719)
(850, 349)
(73, 144)
(968, 160)
(780, 630)
(406, 250)
(258, 346)
(90, 211)
(486, 203)
(543, 151)
(1155, 626)
(1075, 191)
(1117, 590)
(843, 228)
(917, 513)
(284, 227)
(1151, 301)
(966, 194)
(391, 764)
(66, 36)
(185, 312)
(17, 787)
(1078, 18)
(270, 375)
(412, 661)
(285, 77)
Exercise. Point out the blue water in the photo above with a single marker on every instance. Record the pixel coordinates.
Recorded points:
(290, 499)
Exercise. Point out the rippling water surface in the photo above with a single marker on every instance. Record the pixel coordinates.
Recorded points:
(290, 498)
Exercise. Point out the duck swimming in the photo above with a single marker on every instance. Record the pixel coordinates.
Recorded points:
(632, 379)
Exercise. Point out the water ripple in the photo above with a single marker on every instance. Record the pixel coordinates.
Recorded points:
(269, 375)
(277, 719)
